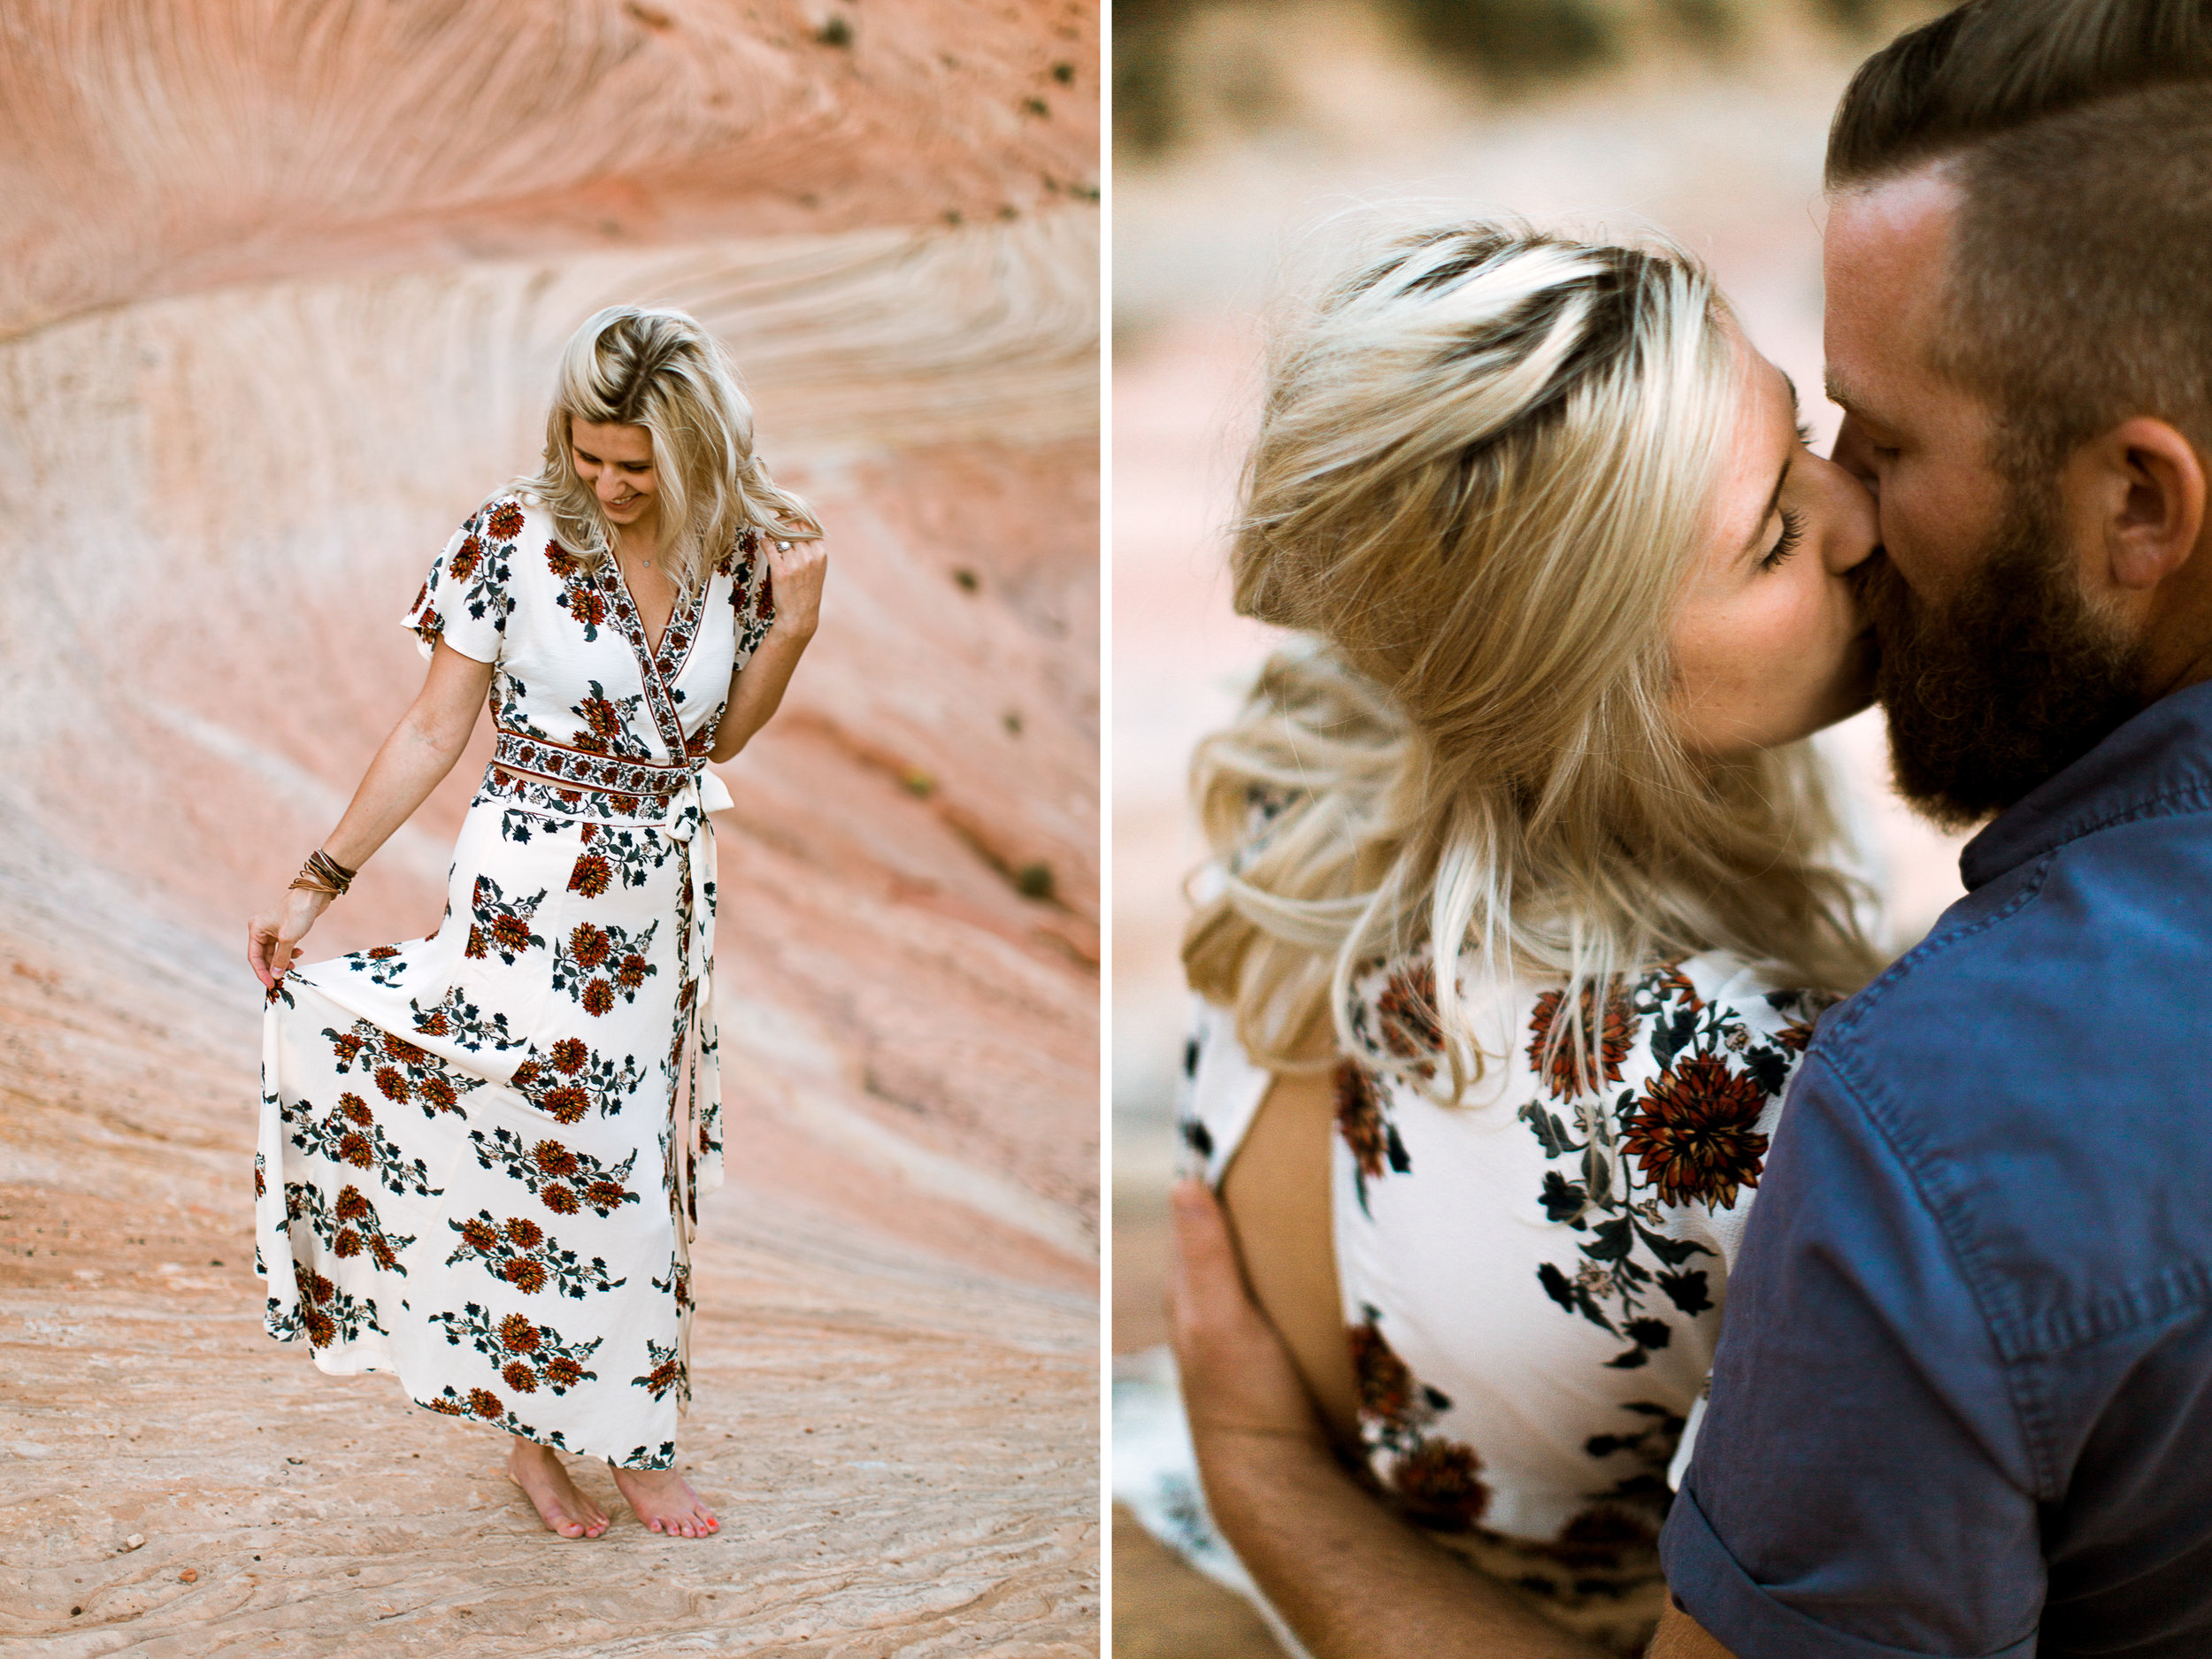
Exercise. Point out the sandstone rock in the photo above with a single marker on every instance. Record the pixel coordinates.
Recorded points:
(280, 297)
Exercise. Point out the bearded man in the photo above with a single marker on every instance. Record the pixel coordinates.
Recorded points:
(1963, 1394)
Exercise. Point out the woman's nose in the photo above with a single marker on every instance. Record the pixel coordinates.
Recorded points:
(1854, 532)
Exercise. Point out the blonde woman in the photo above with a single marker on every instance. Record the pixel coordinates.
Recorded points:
(1517, 925)
(482, 1151)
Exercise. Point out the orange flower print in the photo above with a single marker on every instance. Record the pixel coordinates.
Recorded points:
(1597, 1539)
(525, 1275)
(566, 1105)
(355, 1110)
(519, 1377)
(1691, 1134)
(602, 719)
(559, 1200)
(631, 973)
(479, 1235)
(391, 1082)
(1438, 1484)
(354, 1148)
(598, 997)
(564, 1373)
(510, 931)
(590, 946)
(592, 875)
(560, 561)
(403, 1051)
(522, 1230)
(439, 1092)
(346, 1244)
(1385, 1385)
(1406, 1012)
(570, 1056)
(351, 1205)
(506, 522)
(485, 1404)
(605, 1195)
(1359, 1118)
(553, 1157)
(466, 559)
(1565, 1074)
(518, 1335)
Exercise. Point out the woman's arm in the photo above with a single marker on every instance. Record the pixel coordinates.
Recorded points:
(411, 763)
(1353, 1580)
(796, 570)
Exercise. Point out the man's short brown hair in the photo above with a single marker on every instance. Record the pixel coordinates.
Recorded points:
(2079, 133)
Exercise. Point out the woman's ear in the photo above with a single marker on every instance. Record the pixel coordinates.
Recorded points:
(2138, 492)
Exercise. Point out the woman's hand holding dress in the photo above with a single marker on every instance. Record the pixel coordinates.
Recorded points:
(413, 760)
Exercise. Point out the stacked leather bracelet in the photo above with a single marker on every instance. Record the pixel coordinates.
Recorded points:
(322, 873)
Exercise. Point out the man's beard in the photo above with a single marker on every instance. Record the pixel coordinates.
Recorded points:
(2009, 683)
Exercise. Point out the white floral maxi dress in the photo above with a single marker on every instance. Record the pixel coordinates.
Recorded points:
(480, 1151)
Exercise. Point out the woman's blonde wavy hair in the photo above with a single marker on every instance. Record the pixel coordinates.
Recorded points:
(1484, 474)
(660, 370)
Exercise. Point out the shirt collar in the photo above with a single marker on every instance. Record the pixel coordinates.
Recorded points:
(2163, 753)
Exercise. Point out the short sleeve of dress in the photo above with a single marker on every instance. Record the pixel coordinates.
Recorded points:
(465, 601)
(752, 593)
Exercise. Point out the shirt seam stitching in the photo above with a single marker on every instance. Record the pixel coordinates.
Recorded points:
(2166, 803)
(2028, 1414)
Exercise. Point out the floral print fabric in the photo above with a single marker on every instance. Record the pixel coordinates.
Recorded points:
(480, 1151)
(1531, 1278)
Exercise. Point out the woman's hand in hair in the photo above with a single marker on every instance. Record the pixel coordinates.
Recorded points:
(797, 568)
(1238, 1378)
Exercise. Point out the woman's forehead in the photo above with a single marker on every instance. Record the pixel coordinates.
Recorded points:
(610, 441)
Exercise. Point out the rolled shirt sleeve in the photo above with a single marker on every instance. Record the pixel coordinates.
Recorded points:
(1864, 1480)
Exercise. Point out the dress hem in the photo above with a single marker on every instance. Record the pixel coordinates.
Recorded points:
(329, 1363)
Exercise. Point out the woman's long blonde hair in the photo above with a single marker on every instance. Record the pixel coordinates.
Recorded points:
(660, 370)
(1484, 471)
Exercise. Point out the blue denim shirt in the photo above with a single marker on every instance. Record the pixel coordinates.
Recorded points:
(1963, 1401)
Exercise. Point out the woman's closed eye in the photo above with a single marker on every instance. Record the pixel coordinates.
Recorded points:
(1793, 535)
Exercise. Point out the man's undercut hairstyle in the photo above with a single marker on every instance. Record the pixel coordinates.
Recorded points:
(1992, 66)
(2079, 135)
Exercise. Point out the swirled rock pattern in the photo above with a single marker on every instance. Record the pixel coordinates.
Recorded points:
(280, 291)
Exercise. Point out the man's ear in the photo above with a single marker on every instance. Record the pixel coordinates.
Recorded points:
(2138, 492)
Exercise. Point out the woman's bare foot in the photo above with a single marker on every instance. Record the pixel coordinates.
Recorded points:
(560, 1505)
(664, 1502)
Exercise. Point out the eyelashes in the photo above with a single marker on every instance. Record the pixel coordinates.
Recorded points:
(1793, 535)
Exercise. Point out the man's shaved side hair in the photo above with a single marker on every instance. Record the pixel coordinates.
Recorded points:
(2079, 134)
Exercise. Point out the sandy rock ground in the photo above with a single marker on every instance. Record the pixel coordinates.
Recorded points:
(281, 297)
